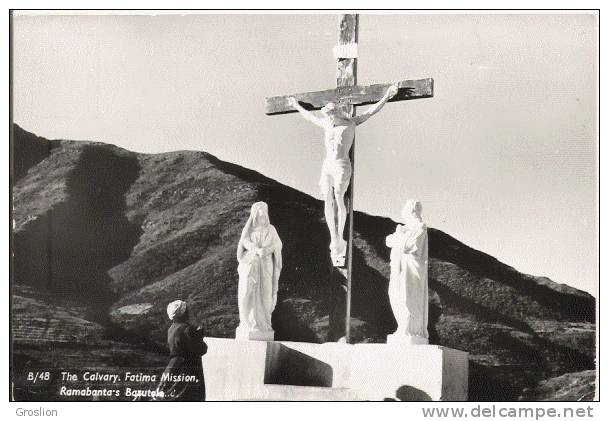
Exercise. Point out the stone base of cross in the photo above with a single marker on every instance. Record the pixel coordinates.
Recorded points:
(351, 95)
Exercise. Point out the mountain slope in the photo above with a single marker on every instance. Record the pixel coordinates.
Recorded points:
(115, 236)
(27, 151)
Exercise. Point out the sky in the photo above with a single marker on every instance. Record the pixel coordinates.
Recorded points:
(504, 157)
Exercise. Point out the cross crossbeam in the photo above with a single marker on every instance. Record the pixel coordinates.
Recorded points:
(352, 95)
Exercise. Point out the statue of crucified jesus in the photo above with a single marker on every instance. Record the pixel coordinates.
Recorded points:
(339, 132)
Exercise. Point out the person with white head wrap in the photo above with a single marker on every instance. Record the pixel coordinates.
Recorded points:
(260, 263)
(176, 309)
(408, 289)
(183, 379)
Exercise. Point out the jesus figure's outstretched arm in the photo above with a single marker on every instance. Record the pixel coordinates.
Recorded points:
(391, 91)
(306, 114)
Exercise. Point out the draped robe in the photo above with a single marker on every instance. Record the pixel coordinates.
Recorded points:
(258, 277)
(408, 282)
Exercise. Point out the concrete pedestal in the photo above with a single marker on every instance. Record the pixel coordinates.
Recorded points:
(259, 370)
(248, 335)
(397, 339)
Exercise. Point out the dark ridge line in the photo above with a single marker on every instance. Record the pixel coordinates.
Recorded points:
(250, 175)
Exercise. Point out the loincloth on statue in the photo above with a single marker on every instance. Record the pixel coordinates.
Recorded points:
(336, 174)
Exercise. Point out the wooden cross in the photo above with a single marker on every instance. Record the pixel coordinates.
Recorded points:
(348, 92)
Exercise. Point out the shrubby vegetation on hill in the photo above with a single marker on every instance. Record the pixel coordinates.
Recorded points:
(104, 238)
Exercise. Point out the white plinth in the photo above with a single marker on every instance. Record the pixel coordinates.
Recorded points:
(256, 370)
(398, 339)
(242, 334)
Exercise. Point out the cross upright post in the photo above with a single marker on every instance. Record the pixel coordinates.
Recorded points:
(350, 95)
(346, 76)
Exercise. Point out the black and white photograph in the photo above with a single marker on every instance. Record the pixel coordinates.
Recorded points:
(304, 205)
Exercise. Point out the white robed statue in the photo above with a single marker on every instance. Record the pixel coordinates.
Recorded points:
(259, 257)
(408, 282)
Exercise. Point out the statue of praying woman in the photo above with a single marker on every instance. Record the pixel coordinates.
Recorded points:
(259, 257)
(408, 281)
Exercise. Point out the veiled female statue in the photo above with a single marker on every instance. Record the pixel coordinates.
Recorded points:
(408, 282)
(259, 257)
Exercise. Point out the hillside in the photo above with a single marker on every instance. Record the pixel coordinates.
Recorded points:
(104, 238)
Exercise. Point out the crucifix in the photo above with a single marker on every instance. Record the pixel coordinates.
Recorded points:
(339, 121)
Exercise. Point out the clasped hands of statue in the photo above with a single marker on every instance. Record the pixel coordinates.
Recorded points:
(400, 229)
(262, 251)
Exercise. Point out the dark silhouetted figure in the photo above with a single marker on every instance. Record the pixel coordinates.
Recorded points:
(183, 379)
